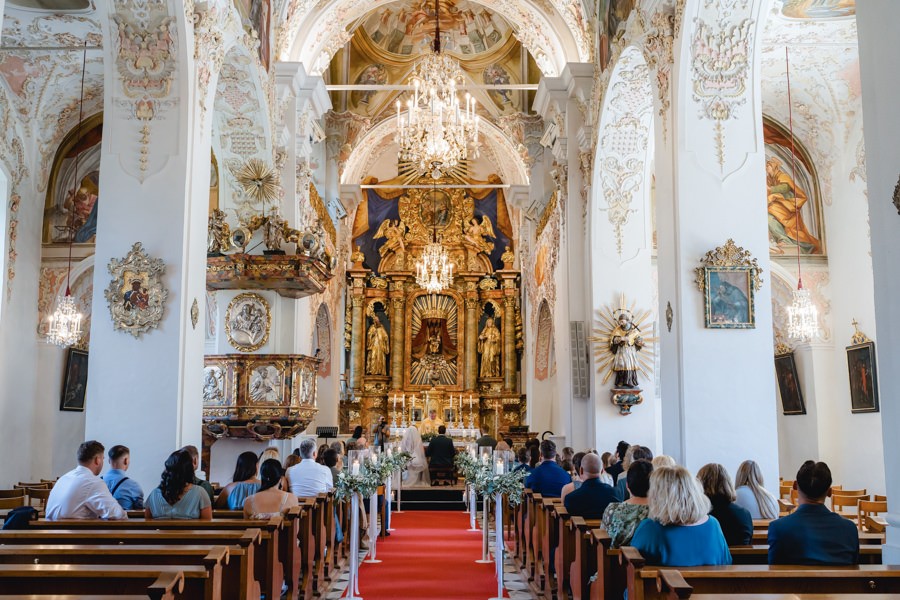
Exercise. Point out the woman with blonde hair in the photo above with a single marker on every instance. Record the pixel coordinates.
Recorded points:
(663, 460)
(751, 494)
(679, 531)
(735, 521)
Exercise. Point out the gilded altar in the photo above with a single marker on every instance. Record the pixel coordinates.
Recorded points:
(456, 352)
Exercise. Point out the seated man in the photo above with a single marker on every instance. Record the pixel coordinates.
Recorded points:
(486, 439)
(309, 478)
(440, 449)
(195, 459)
(125, 490)
(592, 498)
(80, 493)
(548, 478)
(812, 534)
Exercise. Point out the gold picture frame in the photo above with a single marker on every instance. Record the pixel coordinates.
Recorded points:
(136, 296)
(247, 322)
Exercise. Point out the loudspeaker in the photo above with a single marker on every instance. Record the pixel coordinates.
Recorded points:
(581, 387)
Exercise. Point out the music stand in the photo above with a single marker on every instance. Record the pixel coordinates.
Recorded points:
(326, 432)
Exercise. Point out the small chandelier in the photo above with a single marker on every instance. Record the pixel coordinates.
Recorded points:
(803, 317)
(434, 269)
(435, 131)
(65, 322)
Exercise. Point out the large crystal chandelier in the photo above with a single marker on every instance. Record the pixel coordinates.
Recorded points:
(436, 130)
(65, 322)
(434, 269)
(803, 317)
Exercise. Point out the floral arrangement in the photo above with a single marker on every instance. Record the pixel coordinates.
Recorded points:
(370, 476)
(427, 437)
(511, 484)
(468, 466)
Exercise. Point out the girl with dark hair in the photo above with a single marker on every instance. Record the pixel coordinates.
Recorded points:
(270, 501)
(534, 456)
(621, 519)
(244, 483)
(177, 497)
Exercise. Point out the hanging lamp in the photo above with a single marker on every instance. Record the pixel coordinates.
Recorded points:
(803, 317)
(434, 269)
(65, 322)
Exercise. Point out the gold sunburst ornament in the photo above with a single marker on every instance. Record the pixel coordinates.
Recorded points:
(621, 346)
(258, 181)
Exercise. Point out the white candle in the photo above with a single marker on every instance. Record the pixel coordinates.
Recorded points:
(484, 458)
(354, 469)
(500, 467)
(374, 459)
(404, 401)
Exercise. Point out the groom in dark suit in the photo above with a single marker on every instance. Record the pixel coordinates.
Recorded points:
(440, 449)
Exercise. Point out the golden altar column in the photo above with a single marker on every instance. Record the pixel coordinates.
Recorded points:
(510, 300)
(358, 327)
(397, 297)
(471, 341)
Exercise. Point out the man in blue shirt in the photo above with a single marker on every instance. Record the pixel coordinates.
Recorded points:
(812, 534)
(548, 478)
(592, 498)
(125, 490)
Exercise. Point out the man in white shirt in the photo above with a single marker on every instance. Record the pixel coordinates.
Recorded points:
(80, 493)
(309, 477)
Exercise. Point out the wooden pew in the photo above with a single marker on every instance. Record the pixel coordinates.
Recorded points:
(795, 597)
(759, 554)
(549, 538)
(214, 559)
(565, 549)
(268, 564)
(242, 545)
(652, 583)
(533, 527)
(761, 536)
(158, 582)
(582, 566)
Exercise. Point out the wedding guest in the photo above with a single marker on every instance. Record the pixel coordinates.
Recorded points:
(244, 483)
(125, 490)
(751, 493)
(735, 521)
(632, 454)
(592, 496)
(195, 461)
(576, 476)
(270, 501)
(522, 460)
(663, 460)
(291, 460)
(177, 497)
(80, 493)
(548, 478)
(679, 531)
(534, 456)
(616, 468)
(621, 519)
(605, 477)
(309, 478)
(334, 462)
(486, 439)
(565, 459)
(812, 534)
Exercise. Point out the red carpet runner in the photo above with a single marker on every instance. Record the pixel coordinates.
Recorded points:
(429, 556)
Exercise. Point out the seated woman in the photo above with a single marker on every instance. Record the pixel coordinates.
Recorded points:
(243, 483)
(751, 493)
(621, 519)
(736, 523)
(634, 453)
(679, 531)
(417, 470)
(270, 500)
(522, 460)
(177, 497)
(576, 478)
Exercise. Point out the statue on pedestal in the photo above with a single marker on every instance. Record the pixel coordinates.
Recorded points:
(378, 346)
(218, 233)
(489, 348)
(625, 342)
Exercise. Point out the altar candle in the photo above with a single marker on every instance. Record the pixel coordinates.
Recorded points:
(500, 467)
(484, 458)
(472, 452)
(404, 401)
(354, 469)
(389, 451)
(374, 459)
(470, 402)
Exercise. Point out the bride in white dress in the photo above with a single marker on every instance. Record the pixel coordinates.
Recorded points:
(417, 471)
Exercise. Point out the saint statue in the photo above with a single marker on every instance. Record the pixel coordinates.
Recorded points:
(489, 348)
(218, 233)
(625, 341)
(377, 347)
(273, 233)
(431, 424)
(786, 225)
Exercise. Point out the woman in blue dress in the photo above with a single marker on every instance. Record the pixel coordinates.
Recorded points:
(177, 497)
(679, 531)
(244, 483)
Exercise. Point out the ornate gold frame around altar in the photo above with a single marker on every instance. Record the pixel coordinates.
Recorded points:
(734, 263)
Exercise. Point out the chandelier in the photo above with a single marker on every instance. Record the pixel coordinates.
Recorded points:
(65, 322)
(803, 316)
(436, 130)
(434, 269)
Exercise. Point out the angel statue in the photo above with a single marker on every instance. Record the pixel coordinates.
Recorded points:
(393, 232)
(475, 233)
(273, 233)
(218, 233)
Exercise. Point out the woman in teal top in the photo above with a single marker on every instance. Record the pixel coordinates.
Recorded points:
(176, 497)
(679, 531)
(244, 483)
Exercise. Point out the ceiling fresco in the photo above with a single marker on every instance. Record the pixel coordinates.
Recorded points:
(818, 9)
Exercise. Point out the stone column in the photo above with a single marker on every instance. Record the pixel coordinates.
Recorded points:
(878, 57)
(358, 328)
(508, 283)
(397, 296)
(146, 390)
(718, 380)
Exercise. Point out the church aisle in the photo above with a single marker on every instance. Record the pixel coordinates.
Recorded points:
(429, 556)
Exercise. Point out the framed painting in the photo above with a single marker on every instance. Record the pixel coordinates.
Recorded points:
(863, 378)
(74, 381)
(728, 297)
(789, 385)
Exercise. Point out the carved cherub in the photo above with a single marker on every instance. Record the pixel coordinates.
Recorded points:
(476, 233)
(393, 232)
(218, 233)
